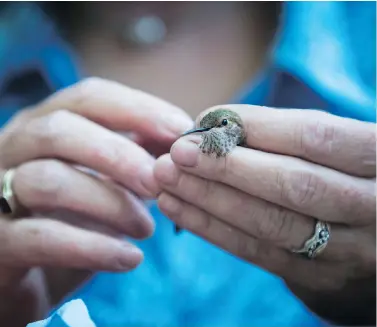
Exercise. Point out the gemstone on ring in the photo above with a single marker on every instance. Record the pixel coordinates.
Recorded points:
(318, 242)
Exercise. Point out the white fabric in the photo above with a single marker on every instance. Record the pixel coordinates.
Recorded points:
(72, 314)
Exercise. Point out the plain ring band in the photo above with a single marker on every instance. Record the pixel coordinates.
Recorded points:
(7, 195)
(318, 242)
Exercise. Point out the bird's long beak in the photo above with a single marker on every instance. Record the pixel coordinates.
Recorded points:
(196, 130)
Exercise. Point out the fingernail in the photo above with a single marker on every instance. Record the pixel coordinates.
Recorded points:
(131, 256)
(165, 171)
(169, 204)
(139, 220)
(185, 153)
(178, 123)
(149, 182)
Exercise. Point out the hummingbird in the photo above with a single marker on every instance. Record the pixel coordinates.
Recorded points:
(221, 131)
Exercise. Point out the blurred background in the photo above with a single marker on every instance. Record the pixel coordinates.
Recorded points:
(194, 54)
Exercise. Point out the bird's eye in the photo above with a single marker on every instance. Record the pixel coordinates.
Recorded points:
(224, 122)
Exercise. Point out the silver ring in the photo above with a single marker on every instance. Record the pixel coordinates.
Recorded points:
(7, 199)
(318, 242)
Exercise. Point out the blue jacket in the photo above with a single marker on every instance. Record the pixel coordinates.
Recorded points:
(324, 57)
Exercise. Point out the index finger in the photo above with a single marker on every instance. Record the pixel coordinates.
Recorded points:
(340, 143)
(119, 108)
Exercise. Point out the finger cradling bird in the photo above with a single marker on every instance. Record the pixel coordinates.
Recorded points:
(221, 131)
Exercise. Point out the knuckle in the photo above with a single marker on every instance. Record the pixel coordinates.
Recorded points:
(115, 157)
(87, 88)
(91, 84)
(316, 134)
(46, 131)
(276, 225)
(54, 120)
(40, 182)
(301, 188)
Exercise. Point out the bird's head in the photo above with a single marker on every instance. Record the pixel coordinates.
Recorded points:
(220, 119)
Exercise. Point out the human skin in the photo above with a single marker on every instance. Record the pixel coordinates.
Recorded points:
(75, 218)
(261, 202)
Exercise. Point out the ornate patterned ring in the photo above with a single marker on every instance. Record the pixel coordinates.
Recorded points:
(318, 242)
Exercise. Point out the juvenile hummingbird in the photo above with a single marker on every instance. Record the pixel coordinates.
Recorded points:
(221, 131)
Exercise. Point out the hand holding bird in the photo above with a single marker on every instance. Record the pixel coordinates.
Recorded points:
(221, 130)
(272, 202)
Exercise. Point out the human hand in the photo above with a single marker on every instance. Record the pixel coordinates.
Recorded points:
(260, 203)
(54, 147)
